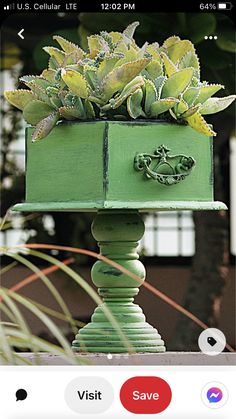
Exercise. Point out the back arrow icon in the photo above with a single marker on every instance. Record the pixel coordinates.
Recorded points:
(20, 34)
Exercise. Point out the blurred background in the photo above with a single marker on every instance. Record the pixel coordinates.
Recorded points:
(189, 256)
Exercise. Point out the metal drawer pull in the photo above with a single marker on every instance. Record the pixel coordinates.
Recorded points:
(167, 170)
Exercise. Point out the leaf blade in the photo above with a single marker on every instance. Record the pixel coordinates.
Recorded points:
(177, 83)
(216, 104)
(44, 127)
(76, 83)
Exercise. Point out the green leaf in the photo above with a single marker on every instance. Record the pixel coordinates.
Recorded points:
(119, 77)
(69, 47)
(198, 123)
(44, 127)
(190, 59)
(162, 105)
(71, 112)
(134, 104)
(19, 98)
(38, 86)
(76, 82)
(154, 69)
(159, 83)
(53, 64)
(49, 75)
(170, 67)
(153, 50)
(179, 49)
(171, 41)
(150, 95)
(90, 114)
(190, 111)
(129, 31)
(129, 55)
(177, 83)
(97, 44)
(191, 95)
(207, 91)
(30, 81)
(56, 54)
(35, 111)
(105, 67)
(180, 107)
(216, 104)
(130, 88)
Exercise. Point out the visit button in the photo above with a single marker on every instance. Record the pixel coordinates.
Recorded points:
(145, 395)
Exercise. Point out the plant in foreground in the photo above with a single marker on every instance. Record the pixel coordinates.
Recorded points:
(117, 79)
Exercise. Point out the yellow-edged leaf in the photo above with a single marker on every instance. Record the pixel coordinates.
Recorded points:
(35, 111)
(134, 104)
(150, 95)
(76, 83)
(128, 90)
(162, 105)
(69, 47)
(207, 91)
(216, 104)
(171, 41)
(170, 67)
(55, 53)
(177, 83)
(19, 98)
(44, 127)
(120, 76)
(197, 122)
(177, 50)
(154, 69)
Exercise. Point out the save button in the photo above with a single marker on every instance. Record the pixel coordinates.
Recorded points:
(144, 394)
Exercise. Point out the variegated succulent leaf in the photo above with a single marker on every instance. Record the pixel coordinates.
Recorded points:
(76, 83)
(161, 106)
(45, 126)
(35, 111)
(177, 83)
(128, 90)
(150, 95)
(216, 104)
(134, 104)
(120, 76)
(197, 122)
(19, 98)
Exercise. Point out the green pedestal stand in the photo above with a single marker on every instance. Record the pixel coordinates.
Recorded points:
(118, 233)
(117, 168)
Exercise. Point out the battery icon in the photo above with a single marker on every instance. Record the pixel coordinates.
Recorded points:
(224, 6)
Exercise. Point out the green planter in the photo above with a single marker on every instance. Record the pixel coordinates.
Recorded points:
(90, 166)
(117, 169)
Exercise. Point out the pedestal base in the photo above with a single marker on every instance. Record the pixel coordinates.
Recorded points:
(117, 233)
(100, 336)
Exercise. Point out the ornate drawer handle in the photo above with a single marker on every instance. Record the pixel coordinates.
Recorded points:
(162, 167)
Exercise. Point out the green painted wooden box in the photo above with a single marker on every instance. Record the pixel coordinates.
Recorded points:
(90, 165)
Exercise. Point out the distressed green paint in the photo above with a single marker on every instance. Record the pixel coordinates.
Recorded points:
(67, 165)
(90, 165)
(126, 184)
(93, 206)
(118, 233)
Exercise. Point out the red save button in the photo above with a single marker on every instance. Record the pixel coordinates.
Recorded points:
(145, 395)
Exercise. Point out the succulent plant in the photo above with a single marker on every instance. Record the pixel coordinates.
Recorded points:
(116, 79)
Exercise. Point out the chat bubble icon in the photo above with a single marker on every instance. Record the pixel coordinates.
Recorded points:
(21, 394)
(214, 395)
